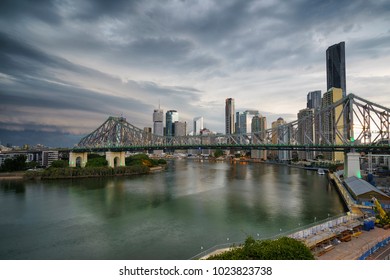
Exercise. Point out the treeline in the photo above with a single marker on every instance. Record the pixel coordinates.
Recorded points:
(284, 248)
(17, 163)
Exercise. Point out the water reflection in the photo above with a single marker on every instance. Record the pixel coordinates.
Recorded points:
(14, 186)
(167, 215)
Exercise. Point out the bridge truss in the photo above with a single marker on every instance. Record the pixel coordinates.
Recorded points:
(351, 121)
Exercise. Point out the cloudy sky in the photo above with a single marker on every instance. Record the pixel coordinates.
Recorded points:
(65, 66)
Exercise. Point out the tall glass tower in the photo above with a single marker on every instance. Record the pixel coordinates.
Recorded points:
(171, 117)
(335, 67)
(229, 116)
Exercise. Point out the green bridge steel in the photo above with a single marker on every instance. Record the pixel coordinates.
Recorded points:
(351, 123)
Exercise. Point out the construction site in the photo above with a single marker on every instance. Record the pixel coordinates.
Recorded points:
(360, 233)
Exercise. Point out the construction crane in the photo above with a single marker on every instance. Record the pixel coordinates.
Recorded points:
(382, 217)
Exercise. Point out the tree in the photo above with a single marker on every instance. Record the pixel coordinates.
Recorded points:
(60, 164)
(218, 153)
(97, 162)
(140, 159)
(17, 163)
(284, 248)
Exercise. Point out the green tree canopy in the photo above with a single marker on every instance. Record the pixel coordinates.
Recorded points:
(284, 248)
(17, 163)
(96, 161)
(60, 163)
(218, 153)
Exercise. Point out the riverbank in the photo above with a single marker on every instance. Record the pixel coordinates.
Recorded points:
(12, 175)
(80, 173)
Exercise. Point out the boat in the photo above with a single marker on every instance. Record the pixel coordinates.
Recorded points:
(321, 171)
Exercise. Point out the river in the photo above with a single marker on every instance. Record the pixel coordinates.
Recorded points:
(174, 214)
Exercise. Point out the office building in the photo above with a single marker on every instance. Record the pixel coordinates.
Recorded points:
(280, 136)
(180, 128)
(333, 128)
(259, 124)
(244, 121)
(48, 157)
(229, 116)
(198, 125)
(171, 117)
(158, 119)
(335, 67)
(314, 99)
(258, 127)
(237, 125)
(306, 132)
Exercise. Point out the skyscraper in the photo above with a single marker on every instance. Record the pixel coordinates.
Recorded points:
(229, 116)
(280, 136)
(314, 99)
(335, 67)
(333, 128)
(180, 128)
(158, 118)
(198, 125)
(259, 126)
(171, 117)
(244, 121)
(306, 131)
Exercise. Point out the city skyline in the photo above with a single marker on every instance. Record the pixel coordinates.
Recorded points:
(64, 68)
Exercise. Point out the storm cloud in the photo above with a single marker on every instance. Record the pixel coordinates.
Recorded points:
(65, 66)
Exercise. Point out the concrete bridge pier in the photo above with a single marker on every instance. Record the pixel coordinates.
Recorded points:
(352, 165)
(115, 159)
(78, 159)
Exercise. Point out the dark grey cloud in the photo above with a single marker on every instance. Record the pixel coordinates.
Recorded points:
(44, 10)
(92, 10)
(32, 137)
(33, 81)
(102, 57)
(37, 86)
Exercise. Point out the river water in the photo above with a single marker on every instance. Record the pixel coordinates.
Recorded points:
(174, 214)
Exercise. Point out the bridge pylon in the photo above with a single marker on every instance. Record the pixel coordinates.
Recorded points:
(116, 159)
(78, 159)
(352, 165)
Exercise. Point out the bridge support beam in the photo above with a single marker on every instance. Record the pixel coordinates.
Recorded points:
(352, 165)
(78, 159)
(115, 159)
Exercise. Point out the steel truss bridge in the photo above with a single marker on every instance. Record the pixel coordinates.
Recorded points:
(350, 123)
